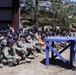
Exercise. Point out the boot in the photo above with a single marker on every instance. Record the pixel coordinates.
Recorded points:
(27, 60)
(1, 65)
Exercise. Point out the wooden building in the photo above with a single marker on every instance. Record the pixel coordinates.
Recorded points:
(9, 13)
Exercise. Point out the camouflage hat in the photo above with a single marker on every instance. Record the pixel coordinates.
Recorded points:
(32, 35)
(23, 36)
(20, 29)
(8, 35)
(33, 31)
(26, 31)
(10, 41)
(15, 38)
(13, 33)
(43, 35)
(2, 31)
(50, 32)
(17, 32)
(47, 33)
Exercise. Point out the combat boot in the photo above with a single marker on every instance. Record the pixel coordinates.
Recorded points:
(1, 65)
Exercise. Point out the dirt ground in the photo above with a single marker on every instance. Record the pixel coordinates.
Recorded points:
(37, 67)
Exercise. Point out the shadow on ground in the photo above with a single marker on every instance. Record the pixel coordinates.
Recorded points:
(58, 63)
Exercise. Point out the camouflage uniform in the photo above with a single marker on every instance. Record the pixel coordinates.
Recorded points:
(10, 55)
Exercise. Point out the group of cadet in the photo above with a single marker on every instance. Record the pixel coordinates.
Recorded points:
(21, 45)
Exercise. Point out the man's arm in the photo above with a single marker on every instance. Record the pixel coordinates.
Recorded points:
(6, 53)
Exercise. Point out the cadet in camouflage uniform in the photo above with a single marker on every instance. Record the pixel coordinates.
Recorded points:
(10, 56)
(36, 44)
(11, 28)
(20, 50)
(22, 44)
(20, 31)
(1, 54)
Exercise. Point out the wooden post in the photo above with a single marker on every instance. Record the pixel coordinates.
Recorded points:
(15, 19)
(52, 55)
(71, 53)
(47, 55)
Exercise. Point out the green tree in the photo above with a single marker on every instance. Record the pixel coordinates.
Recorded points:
(60, 11)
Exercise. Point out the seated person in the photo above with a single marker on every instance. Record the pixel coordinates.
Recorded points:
(10, 56)
(72, 29)
(42, 42)
(35, 43)
(21, 51)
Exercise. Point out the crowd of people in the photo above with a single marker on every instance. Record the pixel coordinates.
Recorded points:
(21, 45)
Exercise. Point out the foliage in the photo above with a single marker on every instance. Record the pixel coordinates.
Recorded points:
(59, 9)
(25, 25)
(66, 28)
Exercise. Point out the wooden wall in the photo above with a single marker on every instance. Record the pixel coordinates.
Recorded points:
(9, 13)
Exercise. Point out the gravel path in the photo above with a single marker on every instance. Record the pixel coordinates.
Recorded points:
(37, 67)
